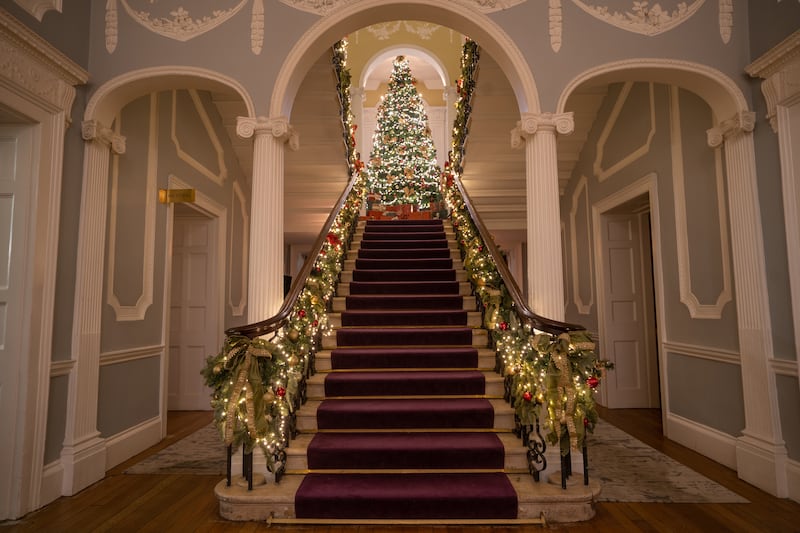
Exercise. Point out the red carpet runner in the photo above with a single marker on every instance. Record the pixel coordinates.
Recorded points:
(405, 430)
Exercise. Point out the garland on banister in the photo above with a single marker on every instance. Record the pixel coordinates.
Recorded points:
(258, 384)
(342, 73)
(557, 374)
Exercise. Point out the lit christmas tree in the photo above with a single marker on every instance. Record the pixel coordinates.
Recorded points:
(402, 168)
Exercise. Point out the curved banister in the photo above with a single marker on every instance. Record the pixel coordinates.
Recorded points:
(280, 319)
(525, 313)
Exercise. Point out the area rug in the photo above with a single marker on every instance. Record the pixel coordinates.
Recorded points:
(629, 470)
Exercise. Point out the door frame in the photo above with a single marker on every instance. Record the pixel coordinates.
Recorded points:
(646, 185)
(219, 223)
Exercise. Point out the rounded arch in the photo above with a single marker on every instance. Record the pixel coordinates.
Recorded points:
(720, 92)
(117, 92)
(330, 29)
(409, 49)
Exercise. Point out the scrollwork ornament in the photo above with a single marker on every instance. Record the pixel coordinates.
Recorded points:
(555, 24)
(741, 122)
(531, 123)
(257, 27)
(92, 130)
(725, 20)
(642, 18)
(112, 23)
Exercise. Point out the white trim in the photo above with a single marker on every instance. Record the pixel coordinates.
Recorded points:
(37, 82)
(717, 89)
(647, 184)
(131, 354)
(218, 178)
(583, 308)
(131, 441)
(137, 311)
(405, 49)
(52, 480)
(793, 479)
(601, 173)
(712, 443)
(237, 309)
(702, 352)
(784, 367)
(687, 296)
(61, 368)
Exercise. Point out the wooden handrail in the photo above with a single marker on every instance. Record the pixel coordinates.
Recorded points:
(281, 318)
(525, 313)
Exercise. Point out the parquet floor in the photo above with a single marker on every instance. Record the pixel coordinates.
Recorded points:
(158, 503)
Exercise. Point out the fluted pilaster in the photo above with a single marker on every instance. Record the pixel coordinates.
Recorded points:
(545, 269)
(265, 281)
(761, 453)
(83, 454)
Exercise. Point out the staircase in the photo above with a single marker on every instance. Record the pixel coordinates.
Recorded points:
(405, 419)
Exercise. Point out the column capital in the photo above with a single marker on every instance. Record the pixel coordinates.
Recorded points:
(278, 127)
(532, 123)
(93, 130)
(741, 122)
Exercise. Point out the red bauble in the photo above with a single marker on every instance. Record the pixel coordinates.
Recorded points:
(315, 323)
(527, 396)
(280, 392)
(585, 422)
(503, 326)
(301, 313)
(593, 382)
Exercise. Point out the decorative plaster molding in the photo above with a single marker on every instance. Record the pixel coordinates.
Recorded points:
(92, 130)
(217, 177)
(726, 20)
(278, 127)
(641, 18)
(741, 122)
(423, 30)
(137, 311)
(581, 189)
(239, 207)
(384, 30)
(325, 7)
(257, 27)
(181, 27)
(112, 26)
(38, 8)
(697, 309)
(532, 123)
(131, 354)
(780, 69)
(603, 173)
(555, 24)
(36, 68)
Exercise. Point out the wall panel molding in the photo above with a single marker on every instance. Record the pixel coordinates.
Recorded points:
(604, 173)
(137, 311)
(239, 209)
(578, 203)
(696, 308)
(220, 175)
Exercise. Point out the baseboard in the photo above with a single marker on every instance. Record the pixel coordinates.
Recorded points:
(793, 478)
(126, 444)
(710, 442)
(763, 465)
(52, 481)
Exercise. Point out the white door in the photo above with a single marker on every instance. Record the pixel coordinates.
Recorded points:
(194, 321)
(16, 151)
(628, 320)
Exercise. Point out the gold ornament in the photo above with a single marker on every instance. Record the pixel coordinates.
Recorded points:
(294, 335)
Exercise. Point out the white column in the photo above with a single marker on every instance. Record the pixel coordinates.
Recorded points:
(265, 279)
(545, 269)
(760, 452)
(84, 455)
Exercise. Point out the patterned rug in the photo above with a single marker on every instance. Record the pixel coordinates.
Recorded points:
(629, 470)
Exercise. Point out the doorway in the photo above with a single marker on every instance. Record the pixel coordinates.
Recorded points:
(194, 316)
(627, 274)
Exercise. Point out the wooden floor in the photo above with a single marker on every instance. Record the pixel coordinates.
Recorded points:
(123, 502)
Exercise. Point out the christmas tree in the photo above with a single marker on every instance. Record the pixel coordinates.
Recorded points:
(402, 168)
